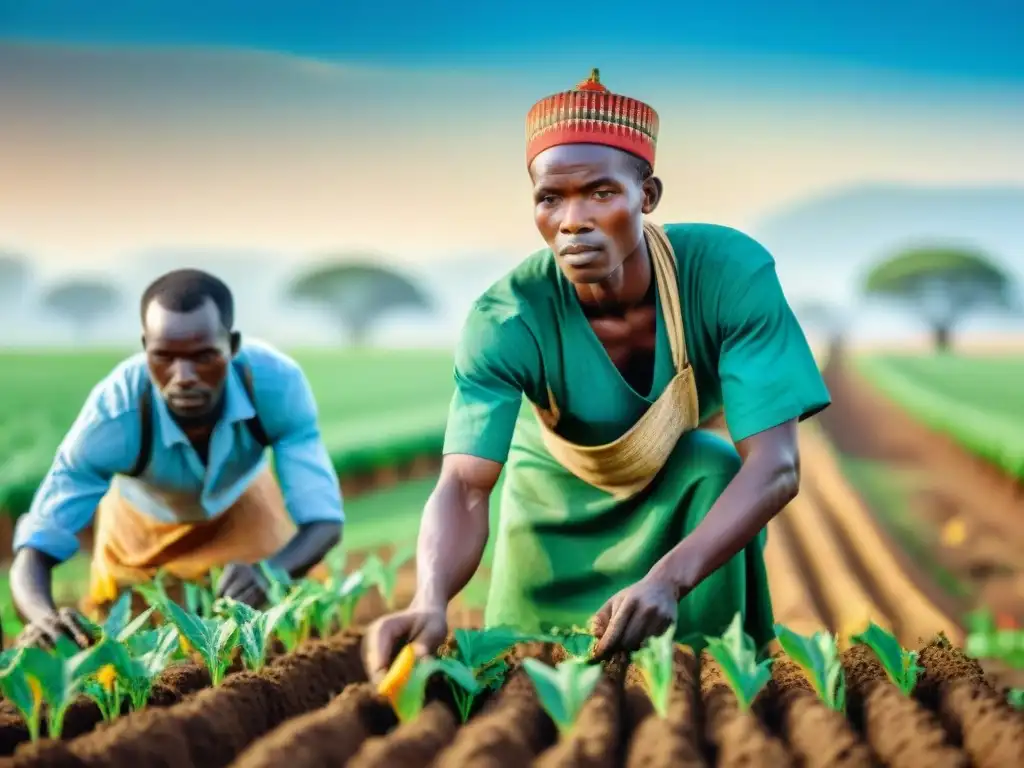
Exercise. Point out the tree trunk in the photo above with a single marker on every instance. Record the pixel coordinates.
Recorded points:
(942, 337)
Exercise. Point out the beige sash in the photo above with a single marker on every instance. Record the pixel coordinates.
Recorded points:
(625, 466)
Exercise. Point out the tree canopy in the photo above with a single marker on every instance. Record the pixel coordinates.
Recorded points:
(942, 284)
(357, 292)
(82, 301)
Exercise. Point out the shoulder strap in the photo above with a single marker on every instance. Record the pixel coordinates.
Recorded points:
(145, 431)
(254, 425)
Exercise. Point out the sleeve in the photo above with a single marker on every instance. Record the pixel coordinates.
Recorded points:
(304, 469)
(96, 447)
(767, 370)
(493, 361)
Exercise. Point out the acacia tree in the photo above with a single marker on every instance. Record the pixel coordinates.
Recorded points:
(942, 285)
(82, 302)
(356, 294)
(14, 276)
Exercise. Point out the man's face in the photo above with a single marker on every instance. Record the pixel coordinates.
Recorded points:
(589, 206)
(188, 354)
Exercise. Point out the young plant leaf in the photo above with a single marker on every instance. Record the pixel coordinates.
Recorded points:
(211, 638)
(654, 661)
(26, 695)
(564, 689)
(736, 654)
(818, 656)
(900, 665)
(1015, 698)
(477, 647)
(408, 702)
(578, 643)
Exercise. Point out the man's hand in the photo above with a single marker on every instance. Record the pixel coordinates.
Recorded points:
(44, 631)
(244, 583)
(425, 629)
(643, 610)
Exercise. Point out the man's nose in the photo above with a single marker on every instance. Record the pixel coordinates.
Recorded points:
(184, 373)
(575, 220)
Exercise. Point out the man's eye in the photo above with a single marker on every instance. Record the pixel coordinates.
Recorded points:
(549, 200)
(603, 194)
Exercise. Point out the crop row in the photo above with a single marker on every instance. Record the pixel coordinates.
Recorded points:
(976, 403)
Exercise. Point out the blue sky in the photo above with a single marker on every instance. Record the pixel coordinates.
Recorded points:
(979, 39)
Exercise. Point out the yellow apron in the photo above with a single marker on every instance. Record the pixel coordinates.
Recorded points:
(130, 547)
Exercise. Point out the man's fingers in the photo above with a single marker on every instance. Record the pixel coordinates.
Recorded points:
(70, 626)
(616, 626)
(380, 648)
(599, 623)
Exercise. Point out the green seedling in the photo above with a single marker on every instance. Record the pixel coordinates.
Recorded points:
(385, 576)
(578, 642)
(118, 625)
(564, 689)
(255, 629)
(409, 701)
(985, 640)
(818, 657)
(654, 661)
(151, 652)
(347, 592)
(481, 652)
(213, 639)
(900, 665)
(736, 654)
(1015, 698)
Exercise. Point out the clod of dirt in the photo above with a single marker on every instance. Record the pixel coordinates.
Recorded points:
(991, 732)
(507, 734)
(944, 664)
(327, 736)
(595, 739)
(411, 745)
(739, 738)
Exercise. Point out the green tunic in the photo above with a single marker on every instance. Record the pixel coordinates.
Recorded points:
(564, 547)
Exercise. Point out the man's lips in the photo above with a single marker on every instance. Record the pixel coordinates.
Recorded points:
(580, 254)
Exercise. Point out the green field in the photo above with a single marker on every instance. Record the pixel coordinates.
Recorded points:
(977, 400)
(376, 406)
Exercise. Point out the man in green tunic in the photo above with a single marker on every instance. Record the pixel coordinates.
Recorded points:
(623, 337)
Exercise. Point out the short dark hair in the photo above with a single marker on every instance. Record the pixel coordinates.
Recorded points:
(644, 170)
(185, 290)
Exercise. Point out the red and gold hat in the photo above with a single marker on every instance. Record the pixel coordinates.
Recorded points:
(591, 114)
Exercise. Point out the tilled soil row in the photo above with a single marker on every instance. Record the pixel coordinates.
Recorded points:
(316, 708)
(171, 687)
(211, 728)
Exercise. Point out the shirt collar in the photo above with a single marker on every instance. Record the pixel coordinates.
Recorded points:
(237, 407)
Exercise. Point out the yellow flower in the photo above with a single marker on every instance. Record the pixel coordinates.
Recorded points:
(186, 646)
(107, 676)
(954, 532)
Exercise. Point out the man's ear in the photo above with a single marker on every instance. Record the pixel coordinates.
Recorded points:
(236, 342)
(653, 190)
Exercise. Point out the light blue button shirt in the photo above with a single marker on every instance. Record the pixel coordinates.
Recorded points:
(176, 487)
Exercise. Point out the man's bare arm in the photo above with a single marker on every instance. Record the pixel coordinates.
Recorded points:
(768, 480)
(454, 529)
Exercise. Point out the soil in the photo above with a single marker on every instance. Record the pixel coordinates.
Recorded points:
(817, 736)
(902, 732)
(943, 482)
(327, 736)
(675, 740)
(508, 733)
(210, 729)
(738, 738)
(991, 732)
(83, 716)
(411, 745)
(596, 739)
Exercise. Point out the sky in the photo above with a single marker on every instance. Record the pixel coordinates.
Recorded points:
(304, 128)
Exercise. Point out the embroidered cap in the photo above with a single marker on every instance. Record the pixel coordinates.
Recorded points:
(591, 114)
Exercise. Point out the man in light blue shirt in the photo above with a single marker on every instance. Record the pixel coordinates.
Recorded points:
(168, 453)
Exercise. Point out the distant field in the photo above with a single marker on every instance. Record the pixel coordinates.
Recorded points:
(366, 399)
(977, 400)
